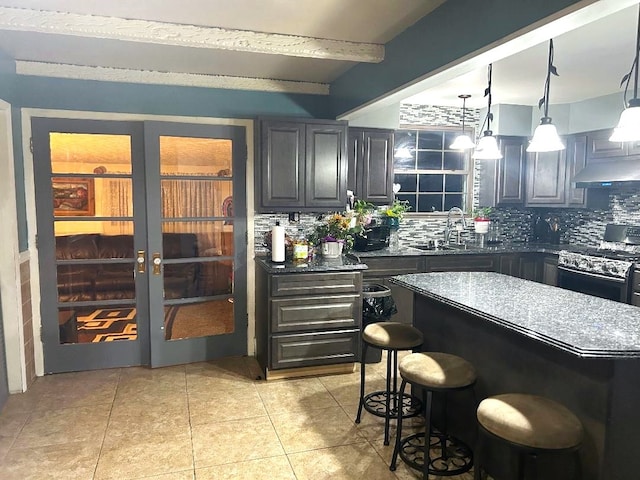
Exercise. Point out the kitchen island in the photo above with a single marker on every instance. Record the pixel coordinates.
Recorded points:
(528, 337)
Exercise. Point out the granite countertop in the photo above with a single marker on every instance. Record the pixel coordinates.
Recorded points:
(583, 325)
(317, 264)
(471, 249)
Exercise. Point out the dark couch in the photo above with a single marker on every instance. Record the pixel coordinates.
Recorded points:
(86, 281)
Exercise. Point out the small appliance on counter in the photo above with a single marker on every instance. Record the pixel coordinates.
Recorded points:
(546, 229)
(374, 238)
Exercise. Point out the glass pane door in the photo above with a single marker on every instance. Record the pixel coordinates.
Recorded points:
(195, 214)
(89, 241)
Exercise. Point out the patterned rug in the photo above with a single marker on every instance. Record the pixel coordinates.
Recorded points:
(214, 317)
(107, 325)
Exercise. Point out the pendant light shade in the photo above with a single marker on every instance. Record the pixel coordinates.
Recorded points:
(487, 147)
(545, 138)
(462, 141)
(628, 129)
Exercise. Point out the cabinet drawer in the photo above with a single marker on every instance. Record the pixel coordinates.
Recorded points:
(635, 299)
(322, 348)
(462, 263)
(636, 281)
(316, 283)
(388, 267)
(313, 313)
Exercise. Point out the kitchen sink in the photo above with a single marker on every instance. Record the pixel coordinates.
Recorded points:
(441, 247)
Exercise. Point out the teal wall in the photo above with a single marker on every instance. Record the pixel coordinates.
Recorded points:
(455, 29)
(83, 95)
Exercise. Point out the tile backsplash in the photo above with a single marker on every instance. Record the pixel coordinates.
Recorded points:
(577, 226)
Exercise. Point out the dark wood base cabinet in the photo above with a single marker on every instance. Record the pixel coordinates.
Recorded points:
(307, 319)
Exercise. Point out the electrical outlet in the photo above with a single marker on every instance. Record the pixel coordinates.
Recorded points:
(294, 217)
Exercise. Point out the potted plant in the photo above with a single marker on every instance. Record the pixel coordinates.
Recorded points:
(481, 219)
(393, 213)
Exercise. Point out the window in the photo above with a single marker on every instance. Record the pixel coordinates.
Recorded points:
(432, 178)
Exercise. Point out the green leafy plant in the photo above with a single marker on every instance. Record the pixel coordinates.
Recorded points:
(482, 212)
(396, 210)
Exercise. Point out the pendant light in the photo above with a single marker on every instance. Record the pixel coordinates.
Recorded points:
(628, 128)
(462, 141)
(487, 148)
(545, 138)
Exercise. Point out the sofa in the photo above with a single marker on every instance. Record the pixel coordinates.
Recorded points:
(90, 281)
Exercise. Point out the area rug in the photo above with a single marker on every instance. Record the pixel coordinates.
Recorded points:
(204, 319)
(214, 317)
(107, 325)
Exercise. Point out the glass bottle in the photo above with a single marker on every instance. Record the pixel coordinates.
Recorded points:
(300, 246)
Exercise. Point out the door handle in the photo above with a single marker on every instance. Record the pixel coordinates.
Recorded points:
(141, 261)
(157, 263)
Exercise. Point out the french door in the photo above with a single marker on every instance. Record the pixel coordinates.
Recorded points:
(141, 240)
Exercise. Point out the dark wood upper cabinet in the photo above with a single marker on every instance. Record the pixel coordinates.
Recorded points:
(502, 181)
(576, 161)
(302, 165)
(599, 146)
(370, 173)
(546, 178)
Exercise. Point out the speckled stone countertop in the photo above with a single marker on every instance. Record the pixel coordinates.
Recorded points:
(583, 325)
(318, 264)
(471, 249)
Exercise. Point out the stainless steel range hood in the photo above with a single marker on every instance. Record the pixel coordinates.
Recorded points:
(609, 174)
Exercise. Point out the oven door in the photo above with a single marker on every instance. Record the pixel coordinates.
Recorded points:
(617, 289)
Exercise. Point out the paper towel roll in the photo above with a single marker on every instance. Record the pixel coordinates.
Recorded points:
(277, 243)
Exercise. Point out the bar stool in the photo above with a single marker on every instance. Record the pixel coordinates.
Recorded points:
(389, 336)
(531, 425)
(434, 372)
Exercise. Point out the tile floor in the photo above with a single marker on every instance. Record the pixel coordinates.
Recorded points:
(205, 421)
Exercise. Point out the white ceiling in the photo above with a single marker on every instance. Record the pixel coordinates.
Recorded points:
(287, 46)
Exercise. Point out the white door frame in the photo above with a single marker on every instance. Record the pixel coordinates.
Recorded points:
(10, 260)
(28, 113)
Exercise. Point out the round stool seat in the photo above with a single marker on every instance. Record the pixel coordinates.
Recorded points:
(392, 335)
(437, 370)
(531, 421)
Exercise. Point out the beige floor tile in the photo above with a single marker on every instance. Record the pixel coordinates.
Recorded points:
(225, 374)
(234, 441)
(348, 462)
(184, 475)
(149, 419)
(75, 461)
(214, 406)
(22, 402)
(328, 427)
(273, 468)
(55, 427)
(11, 423)
(294, 395)
(346, 388)
(138, 455)
(5, 445)
(372, 427)
(76, 394)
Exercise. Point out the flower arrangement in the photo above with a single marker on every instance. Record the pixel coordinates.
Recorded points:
(396, 210)
(334, 228)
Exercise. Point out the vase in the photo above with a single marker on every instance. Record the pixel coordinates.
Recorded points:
(392, 222)
(481, 225)
(332, 249)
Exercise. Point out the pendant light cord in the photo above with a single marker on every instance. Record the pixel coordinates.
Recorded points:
(464, 110)
(635, 62)
(487, 93)
(548, 81)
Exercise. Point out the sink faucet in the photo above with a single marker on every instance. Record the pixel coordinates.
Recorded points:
(447, 230)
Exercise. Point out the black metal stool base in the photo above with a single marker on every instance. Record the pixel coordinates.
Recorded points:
(376, 404)
(454, 459)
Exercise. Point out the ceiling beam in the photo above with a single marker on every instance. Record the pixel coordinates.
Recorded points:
(80, 72)
(192, 36)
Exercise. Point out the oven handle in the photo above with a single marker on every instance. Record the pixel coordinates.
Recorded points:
(592, 275)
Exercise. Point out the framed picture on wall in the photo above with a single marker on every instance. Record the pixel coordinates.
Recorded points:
(73, 197)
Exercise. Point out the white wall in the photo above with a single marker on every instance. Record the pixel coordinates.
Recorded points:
(384, 117)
